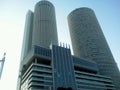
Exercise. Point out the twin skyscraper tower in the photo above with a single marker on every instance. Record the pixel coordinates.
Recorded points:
(47, 66)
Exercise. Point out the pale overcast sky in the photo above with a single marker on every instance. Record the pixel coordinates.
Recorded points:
(12, 21)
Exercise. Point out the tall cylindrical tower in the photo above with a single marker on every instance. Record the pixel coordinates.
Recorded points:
(88, 41)
(44, 25)
(27, 39)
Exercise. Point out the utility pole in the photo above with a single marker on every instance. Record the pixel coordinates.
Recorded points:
(2, 64)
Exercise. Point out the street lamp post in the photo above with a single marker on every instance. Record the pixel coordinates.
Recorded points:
(2, 64)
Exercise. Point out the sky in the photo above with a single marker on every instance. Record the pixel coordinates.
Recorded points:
(12, 21)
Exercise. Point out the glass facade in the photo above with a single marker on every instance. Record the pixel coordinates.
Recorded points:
(63, 70)
(92, 66)
(42, 51)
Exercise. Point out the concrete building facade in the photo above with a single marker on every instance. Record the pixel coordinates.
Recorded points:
(88, 42)
(44, 25)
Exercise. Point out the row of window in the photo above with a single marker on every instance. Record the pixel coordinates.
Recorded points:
(42, 51)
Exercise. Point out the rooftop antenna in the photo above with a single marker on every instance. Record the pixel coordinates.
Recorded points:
(2, 64)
